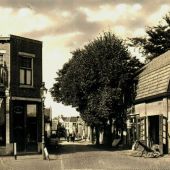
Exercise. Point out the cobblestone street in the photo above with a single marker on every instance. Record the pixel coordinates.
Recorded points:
(82, 156)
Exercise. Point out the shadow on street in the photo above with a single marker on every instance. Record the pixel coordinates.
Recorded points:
(70, 147)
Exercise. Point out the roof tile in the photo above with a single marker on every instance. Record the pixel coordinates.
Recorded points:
(154, 79)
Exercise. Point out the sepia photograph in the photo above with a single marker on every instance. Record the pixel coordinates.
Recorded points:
(84, 85)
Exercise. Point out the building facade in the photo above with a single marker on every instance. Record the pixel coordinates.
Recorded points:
(70, 124)
(20, 101)
(151, 115)
(73, 124)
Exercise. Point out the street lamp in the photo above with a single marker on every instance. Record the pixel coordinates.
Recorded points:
(43, 92)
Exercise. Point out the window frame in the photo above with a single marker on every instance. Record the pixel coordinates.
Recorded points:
(24, 83)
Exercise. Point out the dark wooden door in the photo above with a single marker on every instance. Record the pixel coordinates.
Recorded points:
(19, 127)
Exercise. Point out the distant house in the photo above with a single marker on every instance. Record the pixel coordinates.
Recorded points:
(71, 124)
(152, 103)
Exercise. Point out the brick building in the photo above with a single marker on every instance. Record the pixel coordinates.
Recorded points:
(20, 102)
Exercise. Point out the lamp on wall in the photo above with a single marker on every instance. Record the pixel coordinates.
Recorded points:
(43, 92)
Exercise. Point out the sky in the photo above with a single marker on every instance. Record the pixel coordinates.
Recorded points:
(65, 25)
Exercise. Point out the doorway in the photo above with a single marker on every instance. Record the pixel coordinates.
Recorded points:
(25, 127)
(157, 132)
(31, 127)
(153, 129)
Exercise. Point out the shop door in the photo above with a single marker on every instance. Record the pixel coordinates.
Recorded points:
(31, 134)
(19, 127)
(163, 142)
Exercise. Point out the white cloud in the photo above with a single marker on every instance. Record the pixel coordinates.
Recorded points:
(114, 14)
(157, 16)
(120, 30)
(65, 14)
(22, 21)
(136, 7)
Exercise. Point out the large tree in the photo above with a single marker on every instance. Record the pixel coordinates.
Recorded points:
(156, 41)
(98, 81)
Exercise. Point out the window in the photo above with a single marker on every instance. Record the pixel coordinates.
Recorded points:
(31, 110)
(26, 70)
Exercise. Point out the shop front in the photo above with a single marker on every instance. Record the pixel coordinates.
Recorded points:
(152, 103)
(25, 126)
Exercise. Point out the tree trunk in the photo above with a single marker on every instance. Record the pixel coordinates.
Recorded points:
(108, 134)
(105, 135)
(101, 137)
(91, 134)
(97, 135)
(110, 138)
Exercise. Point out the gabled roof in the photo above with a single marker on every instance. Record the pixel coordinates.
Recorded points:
(154, 79)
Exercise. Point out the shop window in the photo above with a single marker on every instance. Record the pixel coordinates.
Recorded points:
(31, 110)
(26, 70)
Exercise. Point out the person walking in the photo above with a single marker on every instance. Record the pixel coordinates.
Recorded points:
(73, 136)
(68, 136)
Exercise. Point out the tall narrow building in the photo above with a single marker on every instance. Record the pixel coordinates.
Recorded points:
(20, 100)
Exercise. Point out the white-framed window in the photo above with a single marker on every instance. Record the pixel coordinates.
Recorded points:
(26, 70)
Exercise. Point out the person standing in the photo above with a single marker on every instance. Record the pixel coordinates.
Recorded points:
(73, 136)
(68, 136)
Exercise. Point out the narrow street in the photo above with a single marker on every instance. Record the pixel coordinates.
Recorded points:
(80, 155)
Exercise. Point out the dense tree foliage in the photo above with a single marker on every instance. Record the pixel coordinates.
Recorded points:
(156, 41)
(61, 131)
(98, 81)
